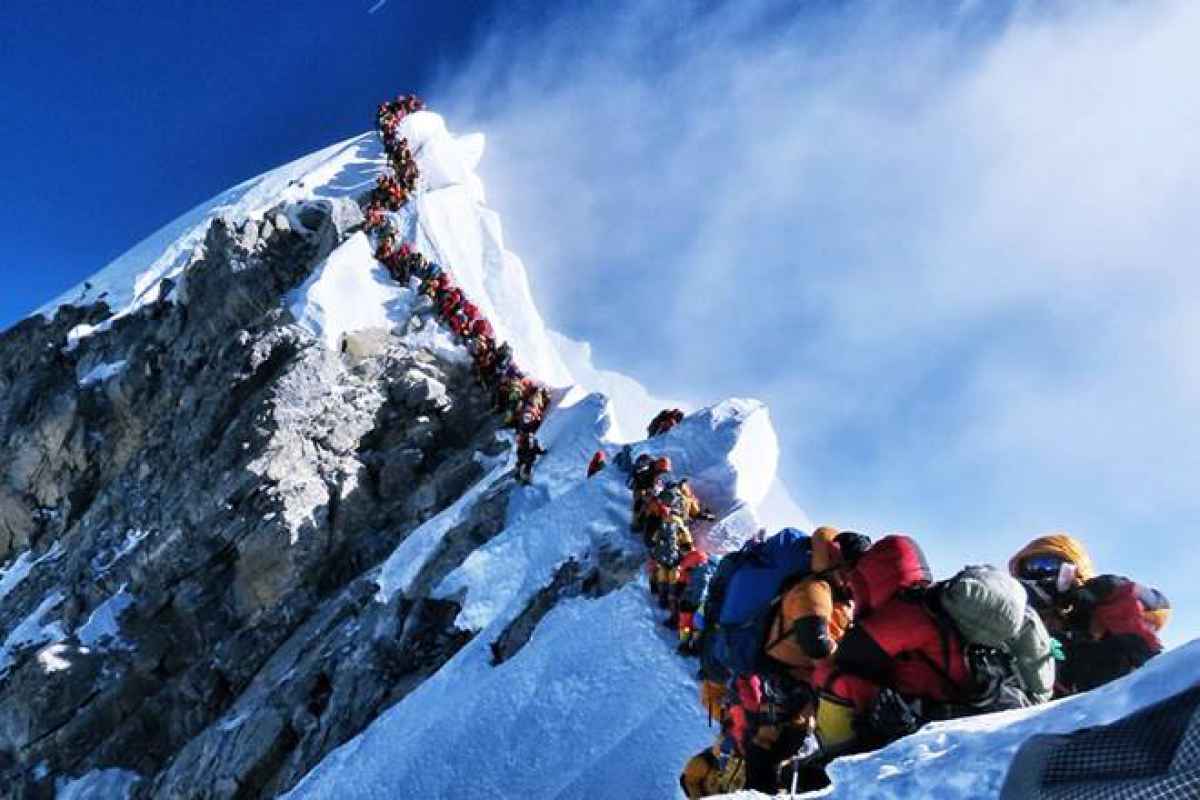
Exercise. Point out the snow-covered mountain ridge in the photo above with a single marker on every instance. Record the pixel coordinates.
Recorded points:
(261, 536)
(256, 502)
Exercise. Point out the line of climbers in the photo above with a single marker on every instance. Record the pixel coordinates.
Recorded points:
(816, 646)
(521, 399)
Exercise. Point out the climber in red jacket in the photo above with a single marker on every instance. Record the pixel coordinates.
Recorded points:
(1109, 632)
(599, 461)
(895, 652)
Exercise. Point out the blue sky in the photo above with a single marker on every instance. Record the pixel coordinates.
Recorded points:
(118, 118)
(951, 244)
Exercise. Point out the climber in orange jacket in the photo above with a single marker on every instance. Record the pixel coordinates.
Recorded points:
(810, 619)
(815, 613)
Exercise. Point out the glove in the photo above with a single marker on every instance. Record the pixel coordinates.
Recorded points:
(890, 717)
(1056, 650)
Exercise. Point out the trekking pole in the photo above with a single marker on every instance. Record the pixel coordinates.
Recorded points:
(795, 780)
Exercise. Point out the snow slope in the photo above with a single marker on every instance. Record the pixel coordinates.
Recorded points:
(597, 704)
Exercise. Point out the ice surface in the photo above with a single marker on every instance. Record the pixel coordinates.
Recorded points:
(103, 625)
(34, 630)
(583, 516)
(576, 428)
(597, 706)
(410, 557)
(100, 784)
(101, 373)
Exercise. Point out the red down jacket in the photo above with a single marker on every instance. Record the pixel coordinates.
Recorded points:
(895, 642)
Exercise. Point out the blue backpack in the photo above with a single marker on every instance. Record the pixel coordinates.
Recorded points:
(697, 585)
(740, 597)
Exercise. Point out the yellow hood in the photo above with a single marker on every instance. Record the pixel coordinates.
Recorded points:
(1056, 544)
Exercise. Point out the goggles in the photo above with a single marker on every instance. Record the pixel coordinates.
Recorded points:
(1042, 568)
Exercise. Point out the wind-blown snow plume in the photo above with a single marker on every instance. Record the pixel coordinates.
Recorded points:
(951, 246)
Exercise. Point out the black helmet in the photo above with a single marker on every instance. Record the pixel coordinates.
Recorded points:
(852, 545)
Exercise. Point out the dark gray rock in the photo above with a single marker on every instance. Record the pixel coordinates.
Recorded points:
(219, 505)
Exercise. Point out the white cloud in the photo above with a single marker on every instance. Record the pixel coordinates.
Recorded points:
(956, 254)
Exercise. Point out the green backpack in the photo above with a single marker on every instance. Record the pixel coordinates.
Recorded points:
(990, 609)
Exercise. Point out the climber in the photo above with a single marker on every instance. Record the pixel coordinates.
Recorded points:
(1111, 631)
(1107, 625)
(808, 620)
(485, 361)
(696, 570)
(482, 329)
(529, 421)
(512, 401)
(376, 215)
(599, 461)
(680, 499)
(646, 481)
(919, 651)
(711, 772)
(528, 450)
(457, 321)
(504, 358)
(895, 643)
(672, 541)
(813, 614)
(384, 250)
(666, 419)
(390, 194)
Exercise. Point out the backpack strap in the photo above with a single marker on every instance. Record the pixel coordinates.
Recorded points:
(928, 599)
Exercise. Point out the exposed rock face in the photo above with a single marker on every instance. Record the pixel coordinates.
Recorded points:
(189, 501)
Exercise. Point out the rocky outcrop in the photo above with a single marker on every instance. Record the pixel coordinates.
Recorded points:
(191, 502)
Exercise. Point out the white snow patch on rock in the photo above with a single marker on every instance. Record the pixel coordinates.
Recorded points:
(53, 658)
(132, 280)
(410, 556)
(12, 575)
(102, 372)
(349, 292)
(103, 626)
(33, 630)
(99, 784)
